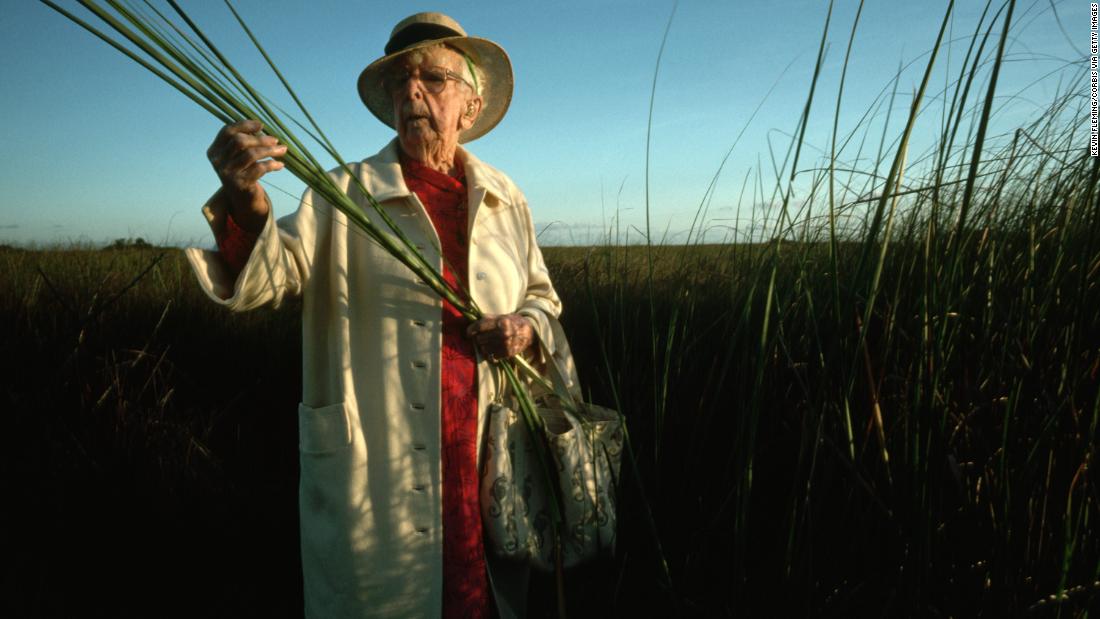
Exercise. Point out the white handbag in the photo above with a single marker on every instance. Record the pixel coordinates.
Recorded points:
(517, 506)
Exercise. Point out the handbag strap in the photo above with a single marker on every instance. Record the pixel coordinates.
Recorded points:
(558, 383)
(557, 379)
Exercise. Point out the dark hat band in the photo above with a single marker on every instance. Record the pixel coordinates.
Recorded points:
(415, 33)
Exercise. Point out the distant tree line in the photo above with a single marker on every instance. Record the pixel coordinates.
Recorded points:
(133, 243)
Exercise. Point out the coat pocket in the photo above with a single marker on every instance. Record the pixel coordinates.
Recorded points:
(324, 429)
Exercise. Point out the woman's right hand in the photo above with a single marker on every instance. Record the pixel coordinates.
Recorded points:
(241, 156)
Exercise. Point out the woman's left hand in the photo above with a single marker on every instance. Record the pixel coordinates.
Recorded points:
(502, 337)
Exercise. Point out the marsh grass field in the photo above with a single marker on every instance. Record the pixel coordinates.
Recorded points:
(932, 464)
(883, 405)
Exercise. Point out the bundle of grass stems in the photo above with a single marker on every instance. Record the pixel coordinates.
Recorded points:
(183, 56)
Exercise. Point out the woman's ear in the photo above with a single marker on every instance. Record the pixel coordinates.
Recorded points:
(470, 113)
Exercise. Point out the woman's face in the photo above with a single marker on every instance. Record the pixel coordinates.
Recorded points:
(430, 122)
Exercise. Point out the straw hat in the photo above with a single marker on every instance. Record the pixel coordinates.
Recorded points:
(426, 29)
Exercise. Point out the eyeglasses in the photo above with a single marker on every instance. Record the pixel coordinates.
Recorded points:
(434, 79)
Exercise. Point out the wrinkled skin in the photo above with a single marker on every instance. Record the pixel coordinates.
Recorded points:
(503, 337)
(429, 124)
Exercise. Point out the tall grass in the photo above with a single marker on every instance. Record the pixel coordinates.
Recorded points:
(890, 411)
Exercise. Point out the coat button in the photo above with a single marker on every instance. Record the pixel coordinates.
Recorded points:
(482, 275)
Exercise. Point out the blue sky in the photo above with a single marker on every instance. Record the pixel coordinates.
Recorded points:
(94, 148)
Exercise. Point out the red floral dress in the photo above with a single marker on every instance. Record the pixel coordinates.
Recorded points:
(465, 579)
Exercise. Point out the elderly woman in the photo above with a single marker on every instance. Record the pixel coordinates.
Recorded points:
(396, 385)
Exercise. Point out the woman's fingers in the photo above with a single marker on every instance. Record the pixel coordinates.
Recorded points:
(238, 154)
(488, 323)
(252, 174)
(485, 337)
(501, 337)
(248, 155)
(228, 133)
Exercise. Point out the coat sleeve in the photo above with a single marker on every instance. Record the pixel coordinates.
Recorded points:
(543, 307)
(279, 265)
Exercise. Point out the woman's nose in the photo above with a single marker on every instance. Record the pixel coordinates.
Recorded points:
(413, 88)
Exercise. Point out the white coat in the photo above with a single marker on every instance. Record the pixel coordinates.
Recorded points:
(369, 421)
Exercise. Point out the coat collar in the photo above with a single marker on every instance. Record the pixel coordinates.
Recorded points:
(381, 175)
(483, 178)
